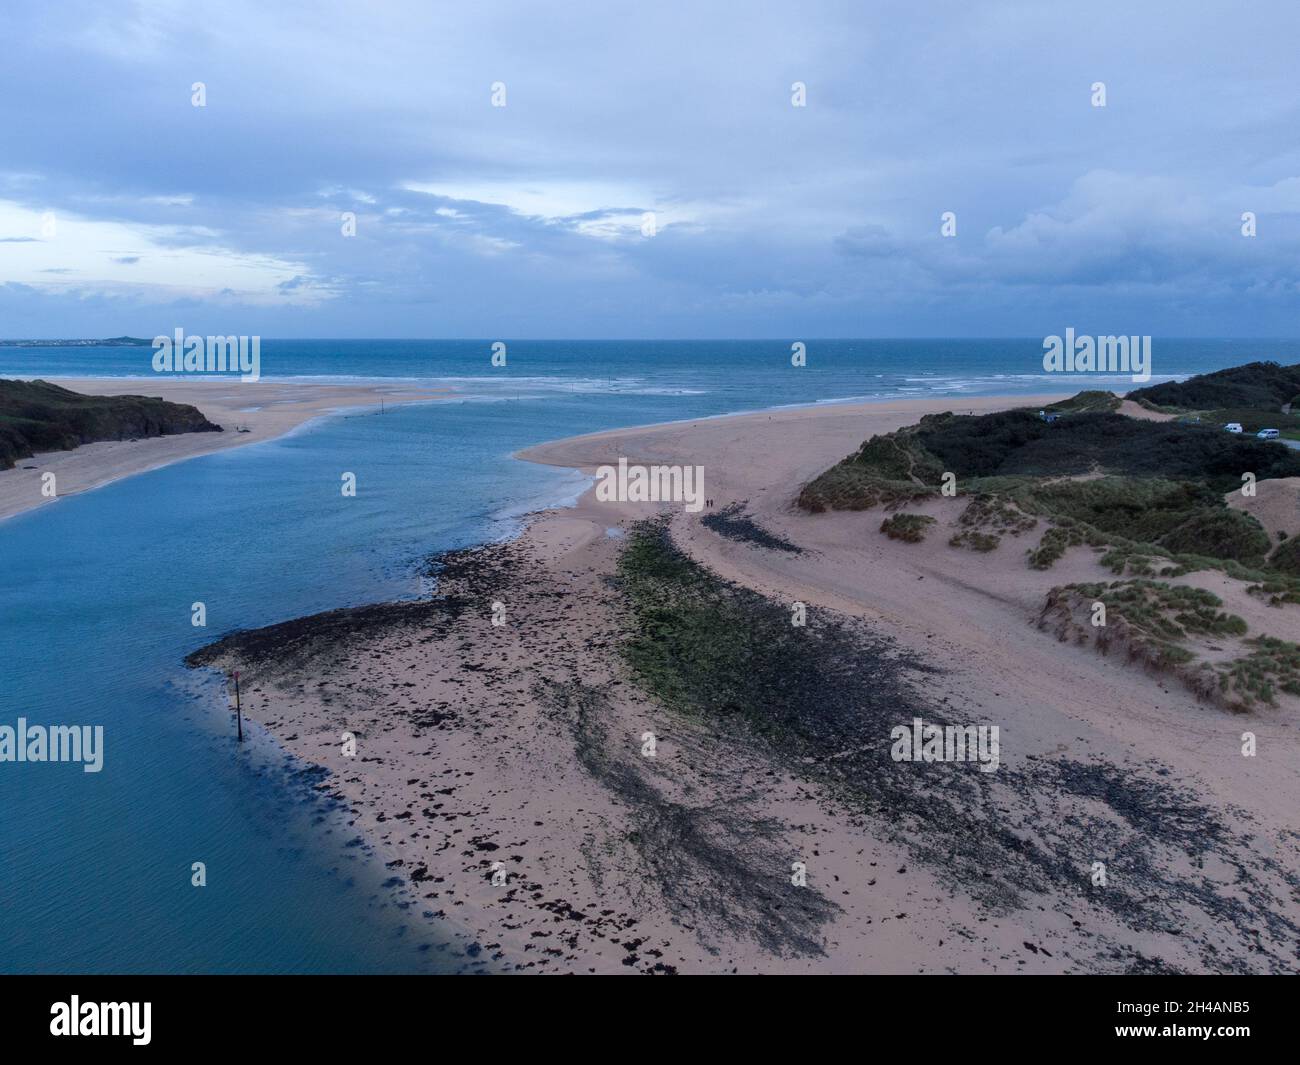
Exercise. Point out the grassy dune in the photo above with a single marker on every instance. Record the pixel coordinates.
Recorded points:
(1147, 496)
(40, 416)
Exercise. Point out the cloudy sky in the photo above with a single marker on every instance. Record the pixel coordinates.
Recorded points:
(126, 209)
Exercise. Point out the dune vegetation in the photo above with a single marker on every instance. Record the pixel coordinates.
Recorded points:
(1148, 497)
(1152, 492)
(39, 416)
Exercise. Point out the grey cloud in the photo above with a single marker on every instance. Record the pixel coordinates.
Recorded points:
(821, 220)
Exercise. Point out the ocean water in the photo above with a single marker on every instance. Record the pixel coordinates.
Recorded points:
(702, 376)
(95, 606)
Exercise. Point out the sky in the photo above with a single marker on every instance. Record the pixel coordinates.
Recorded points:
(649, 175)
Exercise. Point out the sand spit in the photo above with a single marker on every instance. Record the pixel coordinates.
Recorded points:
(266, 409)
(502, 769)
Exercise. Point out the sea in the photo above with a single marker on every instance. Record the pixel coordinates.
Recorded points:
(97, 595)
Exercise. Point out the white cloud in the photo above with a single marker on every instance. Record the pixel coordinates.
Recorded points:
(54, 250)
(537, 199)
(617, 211)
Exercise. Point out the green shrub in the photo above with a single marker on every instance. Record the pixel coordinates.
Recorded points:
(1019, 442)
(909, 528)
(851, 487)
(975, 541)
(1221, 533)
(1161, 610)
(1257, 385)
(1092, 399)
(1055, 541)
(1286, 557)
(1273, 665)
(1141, 509)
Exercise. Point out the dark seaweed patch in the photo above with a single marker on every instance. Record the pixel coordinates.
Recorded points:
(733, 523)
(718, 869)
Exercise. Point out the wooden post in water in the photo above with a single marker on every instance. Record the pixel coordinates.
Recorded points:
(239, 719)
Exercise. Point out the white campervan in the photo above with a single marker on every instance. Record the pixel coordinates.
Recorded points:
(1233, 427)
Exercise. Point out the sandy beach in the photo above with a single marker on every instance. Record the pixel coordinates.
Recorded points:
(266, 409)
(502, 767)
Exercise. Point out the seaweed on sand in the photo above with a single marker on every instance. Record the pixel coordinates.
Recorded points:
(733, 523)
(821, 700)
(473, 573)
(718, 869)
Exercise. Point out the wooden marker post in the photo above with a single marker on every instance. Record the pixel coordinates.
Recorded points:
(239, 719)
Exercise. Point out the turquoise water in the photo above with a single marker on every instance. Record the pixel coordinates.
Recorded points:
(96, 590)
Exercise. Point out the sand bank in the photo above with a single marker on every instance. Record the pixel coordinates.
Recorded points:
(265, 408)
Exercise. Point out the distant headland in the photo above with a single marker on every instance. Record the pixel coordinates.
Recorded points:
(110, 342)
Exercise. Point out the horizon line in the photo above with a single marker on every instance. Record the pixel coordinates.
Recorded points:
(643, 340)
